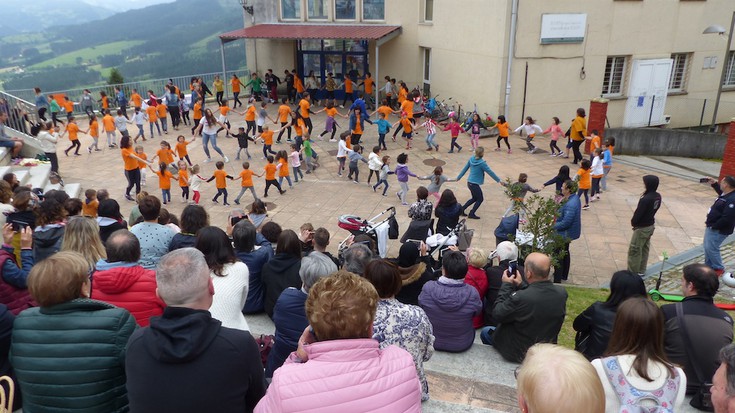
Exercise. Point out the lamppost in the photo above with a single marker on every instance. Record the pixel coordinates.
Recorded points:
(721, 30)
(248, 8)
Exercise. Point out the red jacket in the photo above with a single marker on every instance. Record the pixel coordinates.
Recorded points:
(132, 288)
(476, 277)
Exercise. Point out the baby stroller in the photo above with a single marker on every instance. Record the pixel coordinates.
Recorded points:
(369, 229)
(459, 236)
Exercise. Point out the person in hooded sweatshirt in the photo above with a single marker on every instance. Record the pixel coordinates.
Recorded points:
(281, 271)
(451, 304)
(185, 361)
(416, 268)
(643, 224)
(120, 281)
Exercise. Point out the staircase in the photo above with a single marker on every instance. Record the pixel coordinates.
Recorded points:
(22, 115)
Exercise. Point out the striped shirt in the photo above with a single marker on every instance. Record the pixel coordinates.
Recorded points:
(430, 126)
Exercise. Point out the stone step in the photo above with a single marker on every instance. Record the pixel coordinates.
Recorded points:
(39, 175)
(74, 190)
(5, 156)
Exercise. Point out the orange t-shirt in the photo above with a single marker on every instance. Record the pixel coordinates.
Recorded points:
(90, 208)
(109, 123)
(73, 130)
(585, 178)
(235, 83)
(407, 106)
(250, 113)
(407, 127)
(331, 112)
(270, 171)
(298, 84)
(579, 124)
(105, 102)
(165, 155)
(220, 177)
(183, 178)
(267, 136)
(161, 111)
(247, 177)
(137, 100)
(368, 85)
(502, 129)
(358, 128)
(283, 170)
(69, 106)
(141, 155)
(348, 85)
(595, 143)
(402, 95)
(304, 105)
(283, 112)
(224, 110)
(94, 129)
(197, 111)
(299, 127)
(164, 179)
(386, 111)
(181, 149)
(152, 114)
(129, 163)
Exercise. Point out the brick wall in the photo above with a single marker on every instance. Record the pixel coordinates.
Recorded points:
(728, 158)
(596, 120)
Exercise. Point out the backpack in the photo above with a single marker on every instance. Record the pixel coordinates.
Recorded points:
(630, 397)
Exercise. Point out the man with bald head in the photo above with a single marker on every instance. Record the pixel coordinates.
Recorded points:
(528, 311)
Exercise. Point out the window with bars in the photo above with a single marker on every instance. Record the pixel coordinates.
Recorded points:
(729, 80)
(612, 84)
(679, 70)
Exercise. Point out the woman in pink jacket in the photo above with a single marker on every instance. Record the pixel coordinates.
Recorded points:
(338, 367)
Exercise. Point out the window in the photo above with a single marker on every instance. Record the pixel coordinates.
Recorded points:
(679, 70)
(427, 69)
(373, 9)
(317, 9)
(428, 12)
(612, 84)
(291, 9)
(730, 71)
(344, 9)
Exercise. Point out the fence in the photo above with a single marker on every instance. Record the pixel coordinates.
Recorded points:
(21, 114)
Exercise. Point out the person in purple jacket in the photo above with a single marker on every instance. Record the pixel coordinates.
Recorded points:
(402, 173)
(451, 304)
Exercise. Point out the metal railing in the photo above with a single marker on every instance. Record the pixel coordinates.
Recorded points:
(21, 113)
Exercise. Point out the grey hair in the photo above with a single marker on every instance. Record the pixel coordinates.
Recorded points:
(727, 357)
(357, 257)
(315, 266)
(182, 276)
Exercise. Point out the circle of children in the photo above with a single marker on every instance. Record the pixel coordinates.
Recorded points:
(408, 106)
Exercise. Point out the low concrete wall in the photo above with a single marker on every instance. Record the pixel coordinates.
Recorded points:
(667, 142)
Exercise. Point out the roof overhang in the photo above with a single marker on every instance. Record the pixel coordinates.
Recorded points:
(379, 33)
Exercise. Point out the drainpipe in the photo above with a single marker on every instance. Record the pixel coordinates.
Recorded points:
(511, 48)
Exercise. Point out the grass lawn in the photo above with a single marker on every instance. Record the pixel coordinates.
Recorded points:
(579, 299)
(87, 54)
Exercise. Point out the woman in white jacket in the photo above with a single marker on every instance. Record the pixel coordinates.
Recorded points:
(47, 141)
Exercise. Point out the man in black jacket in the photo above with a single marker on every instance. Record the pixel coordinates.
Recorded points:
(708, 328)
(527, 316)
(186, 361)
(720, 222)
(643, 224)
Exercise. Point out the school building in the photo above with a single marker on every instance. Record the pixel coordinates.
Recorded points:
(536, 58)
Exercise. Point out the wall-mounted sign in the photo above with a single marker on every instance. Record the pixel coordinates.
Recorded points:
(563, 28)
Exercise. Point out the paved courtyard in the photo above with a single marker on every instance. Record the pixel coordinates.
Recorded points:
(323, 196)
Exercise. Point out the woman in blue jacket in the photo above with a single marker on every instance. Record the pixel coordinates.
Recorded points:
(478, 168)
(569, 226)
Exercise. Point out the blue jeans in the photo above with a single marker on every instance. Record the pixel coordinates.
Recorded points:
(604, 177)
(205, 144)
(297, 172)
(288, 178)
(712, 241)
(476, 199)
(166, 195)
(486, 335)
(430, 140)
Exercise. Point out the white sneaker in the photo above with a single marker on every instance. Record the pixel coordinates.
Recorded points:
(227, 159)
(208, 160)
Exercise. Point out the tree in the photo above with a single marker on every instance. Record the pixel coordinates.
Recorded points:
(116, 77)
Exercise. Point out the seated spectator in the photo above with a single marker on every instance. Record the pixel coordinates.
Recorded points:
(49, 231)
(708, 328)
(289, 315)
(168, 219)
(6, 197)
(635, 372)
(109, 218)
(244, 236)
(193, 218)
(476, 277)
(154, 238)
(270, 231)
(281, 271)
(14, 280)
(451, 304)
(403, 325)
(229, 277)
(186, 361)
(594, 325)
(258, 215)
(306, 237)
(576, 386)
(25, 203)
(6, 369)
(93, 331)
(73, 207)
(339, 367)
(506, 252)
(356, 257)
(421, 209)
(82, 235)
(447, 212)
(135, 211)
(529, 315)
(103, 194)
(723, 382)
(321, 242)
(417, 268)
(120, 281)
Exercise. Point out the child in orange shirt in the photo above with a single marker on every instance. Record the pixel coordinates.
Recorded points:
(183, 181)
(181, 149)
(284, 111)
(249, 117)
(165, 154)
(267, 137)
(90, 205)
(502, 126)
(152, 115)
(197, 115)
(223, 109)
(595, 143)
(164, 181)
(220, 183)
(68, 107)
(246, 175)
(270, 177)
(108, 122)
(140, 153)
(161, 112)
(407, 128)
(584, 178)
(73, 130)
(94, 132)
(282, 159)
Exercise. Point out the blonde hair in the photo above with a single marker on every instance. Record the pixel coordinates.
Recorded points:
(82, 235)
(58, 278)
(477, 257)
(341, 306)
(577, 387)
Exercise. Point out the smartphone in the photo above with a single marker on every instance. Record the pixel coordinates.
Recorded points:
(512, 268)
(237, 216)
(703, 180)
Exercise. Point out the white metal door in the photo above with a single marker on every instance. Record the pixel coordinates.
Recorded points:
(648, 86)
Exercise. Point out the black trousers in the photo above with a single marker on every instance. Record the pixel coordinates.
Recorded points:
(561, 271)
